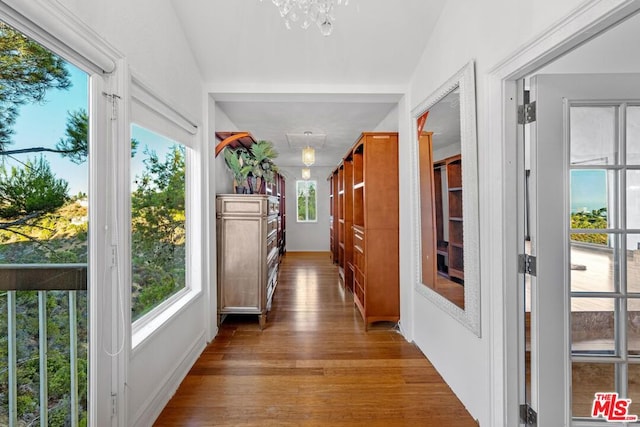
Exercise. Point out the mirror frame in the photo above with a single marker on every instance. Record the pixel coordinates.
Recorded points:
(464, 79)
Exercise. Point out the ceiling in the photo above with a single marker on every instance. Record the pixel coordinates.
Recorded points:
(339, 119)
(350, 80)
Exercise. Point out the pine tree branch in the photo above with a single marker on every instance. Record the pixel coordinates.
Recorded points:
(35, 150)
(19, 221)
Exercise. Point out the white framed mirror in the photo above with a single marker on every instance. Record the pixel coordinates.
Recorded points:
(446, 204)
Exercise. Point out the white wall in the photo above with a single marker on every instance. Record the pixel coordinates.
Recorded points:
(308, 236)
(487, 32)
(389, 123)
(147, 33)
(224, 179)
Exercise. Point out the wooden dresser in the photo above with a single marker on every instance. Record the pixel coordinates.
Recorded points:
(248, 253)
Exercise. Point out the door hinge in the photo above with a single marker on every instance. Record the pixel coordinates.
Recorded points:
(528, 416)
(527, 264)
(114, 404)
(527, 113)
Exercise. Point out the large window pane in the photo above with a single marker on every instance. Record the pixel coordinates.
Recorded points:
(45, 220)
(594, 262)
(592, 326)
(633, 199)
(592, 205)
(633, 262)
(587, 379)
(633, 326)
(157, 220)
(593, 135)
(633, 387)
(633, 135)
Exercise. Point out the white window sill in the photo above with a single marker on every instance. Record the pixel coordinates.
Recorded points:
(148, 325)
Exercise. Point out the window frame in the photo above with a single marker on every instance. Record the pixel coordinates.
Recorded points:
(307, 182)
(151, 112)
(51, 25)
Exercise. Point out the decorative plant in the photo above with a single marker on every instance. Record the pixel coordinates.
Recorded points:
(237, 164)
(251, 168)
(262, 155)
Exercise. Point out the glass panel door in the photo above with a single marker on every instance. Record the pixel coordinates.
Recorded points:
(605, 260)
(585, 205)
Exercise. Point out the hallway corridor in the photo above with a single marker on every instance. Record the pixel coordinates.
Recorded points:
(313, 365)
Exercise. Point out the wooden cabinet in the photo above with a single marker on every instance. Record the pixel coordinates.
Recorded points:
(247, 246)
(367, 182)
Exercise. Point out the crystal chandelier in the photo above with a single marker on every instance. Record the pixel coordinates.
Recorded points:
(307, 12)
(306, 173)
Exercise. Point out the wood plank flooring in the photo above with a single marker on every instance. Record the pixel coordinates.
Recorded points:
(313, 365)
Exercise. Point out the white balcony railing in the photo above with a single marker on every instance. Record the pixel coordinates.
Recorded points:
(42, 278)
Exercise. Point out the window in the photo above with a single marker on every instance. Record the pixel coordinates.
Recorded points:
(306, 201)
(44, 234)
(164, 176)
(158, 220)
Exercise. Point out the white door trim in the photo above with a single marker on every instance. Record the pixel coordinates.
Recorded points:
(500, 172)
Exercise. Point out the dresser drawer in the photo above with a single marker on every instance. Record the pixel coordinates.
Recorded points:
(272, 225)
(242, 205)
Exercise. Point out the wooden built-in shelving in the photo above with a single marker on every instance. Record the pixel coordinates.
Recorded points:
(348, 221)
(456, 242)
(367, 202)
(448, 188)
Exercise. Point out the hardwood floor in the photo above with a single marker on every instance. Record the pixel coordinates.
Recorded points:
(313, 365)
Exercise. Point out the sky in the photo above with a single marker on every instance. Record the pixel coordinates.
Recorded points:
(150, 140)
(588, 189)
(43, 125)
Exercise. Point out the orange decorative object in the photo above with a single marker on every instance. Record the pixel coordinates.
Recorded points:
(233, 139)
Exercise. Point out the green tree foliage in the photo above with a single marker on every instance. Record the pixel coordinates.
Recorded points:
(306, 201)
(311, 213)
(158, 230)
(75, 144)
(28, 192)
(27, 71)
(596, 219)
